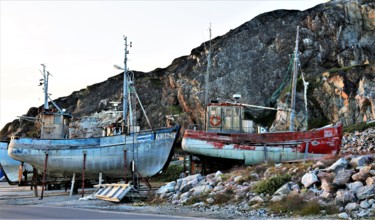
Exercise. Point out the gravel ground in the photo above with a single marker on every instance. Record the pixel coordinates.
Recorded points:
(22, 195)
(15, 195)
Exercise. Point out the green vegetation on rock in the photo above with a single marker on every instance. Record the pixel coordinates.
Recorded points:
(272, 184)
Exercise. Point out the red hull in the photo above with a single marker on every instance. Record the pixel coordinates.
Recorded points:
(325, 140)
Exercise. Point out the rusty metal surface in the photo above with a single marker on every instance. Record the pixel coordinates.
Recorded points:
(255, 148)
(103, 154)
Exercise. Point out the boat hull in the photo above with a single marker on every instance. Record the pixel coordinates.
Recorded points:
(109, 155)
(252, 149)
(10, 166)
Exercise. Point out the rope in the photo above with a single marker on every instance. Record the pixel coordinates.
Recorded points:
(285, 81)
(305, 85)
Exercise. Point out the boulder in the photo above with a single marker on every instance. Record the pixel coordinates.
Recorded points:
(185, 197)
(319, 164)
(364, 204)
(344, 197)
(360, 161)
(218, 173)
(276, 198)
(218, 188)
(210, 200)
(362, 213)
(326, 180)
(354, 186)
(326, 195)
(341, 163)
(198, 190)
(366, 192)
(370, 180)
(178, 184)
(309, 179)
(257, 199)
(326, 176)
(238, 179)
(169, 187)
(342, 177)
(287, 188)
(351, 206)
(360, 176)
(343, 215)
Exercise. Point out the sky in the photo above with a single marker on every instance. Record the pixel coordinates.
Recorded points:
(80, 41)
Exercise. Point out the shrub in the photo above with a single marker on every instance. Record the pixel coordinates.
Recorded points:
(295, 205)
(172, 173)
(225, 197)
(359, 127)
(272, 184)
(309, 208)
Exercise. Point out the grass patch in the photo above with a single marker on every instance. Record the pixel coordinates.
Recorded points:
(272, 184)
(358, 127)
(225, 176)
(174, 109)
(345, 68)
(295, 206)
(223, 198)
(196, 199)
(172, 173)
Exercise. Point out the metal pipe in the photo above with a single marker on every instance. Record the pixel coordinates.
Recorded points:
(20, 168)
(100, 179)
(73, 182)
(83, 173)
(34, 181)
(44, 173)
(125, 167)
(261, 107)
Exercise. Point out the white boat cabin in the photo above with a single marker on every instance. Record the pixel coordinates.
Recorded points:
(227, 117)
(54, 125)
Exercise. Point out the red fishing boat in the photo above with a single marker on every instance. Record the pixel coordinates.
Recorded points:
(227, 135)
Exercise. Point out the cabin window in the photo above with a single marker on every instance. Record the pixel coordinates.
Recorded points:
(214, 121)
(228, 112)
(236, 119)
(213, 111)
(57, 120)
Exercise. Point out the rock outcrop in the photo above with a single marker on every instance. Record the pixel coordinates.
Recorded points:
(336, 51)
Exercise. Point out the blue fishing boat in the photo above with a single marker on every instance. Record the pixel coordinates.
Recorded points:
(131, 151)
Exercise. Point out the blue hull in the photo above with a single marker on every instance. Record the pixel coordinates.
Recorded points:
(150, 150)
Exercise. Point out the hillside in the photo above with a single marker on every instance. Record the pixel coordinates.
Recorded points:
(337, 56)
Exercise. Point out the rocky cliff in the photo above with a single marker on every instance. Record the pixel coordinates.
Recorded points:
(336, 53)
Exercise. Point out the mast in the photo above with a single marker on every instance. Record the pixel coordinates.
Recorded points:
(294, 84)
(207, 78)
(208, 69)
(45, 82)
(125, 86)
